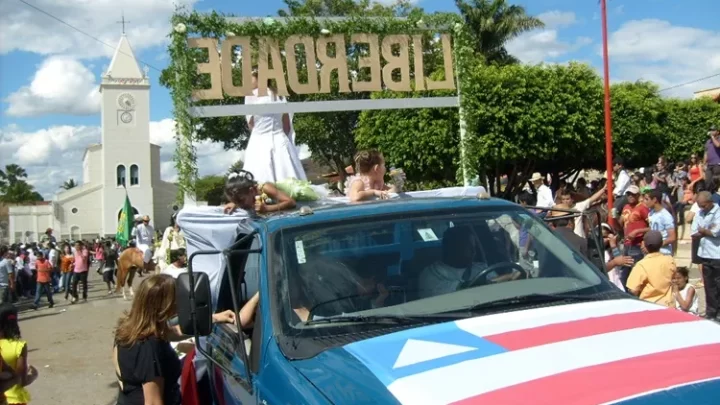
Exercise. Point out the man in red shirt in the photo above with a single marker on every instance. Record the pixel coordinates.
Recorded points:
(634, 219)
(44, 277)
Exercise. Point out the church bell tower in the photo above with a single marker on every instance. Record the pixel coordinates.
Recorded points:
(126, 150)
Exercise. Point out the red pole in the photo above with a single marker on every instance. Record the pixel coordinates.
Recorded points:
(608, 118)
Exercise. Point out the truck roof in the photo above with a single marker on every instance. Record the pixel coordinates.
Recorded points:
(315, 213)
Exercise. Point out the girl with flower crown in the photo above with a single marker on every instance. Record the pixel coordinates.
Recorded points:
(242, 191)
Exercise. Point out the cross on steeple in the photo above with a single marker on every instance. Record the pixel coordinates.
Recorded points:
(123, 22)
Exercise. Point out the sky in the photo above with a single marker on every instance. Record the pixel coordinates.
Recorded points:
(49, 73)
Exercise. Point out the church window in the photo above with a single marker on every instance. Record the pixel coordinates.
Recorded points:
(120, 175)
(134, 175)
(74, 210)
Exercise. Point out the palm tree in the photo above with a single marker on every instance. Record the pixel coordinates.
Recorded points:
(11, 175)
(493, 23)
(69, 184)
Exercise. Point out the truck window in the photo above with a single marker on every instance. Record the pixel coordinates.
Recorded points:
(423, 264)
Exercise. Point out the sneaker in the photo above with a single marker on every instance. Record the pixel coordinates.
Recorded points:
(73, 300)
(51, 305)
(34, 307)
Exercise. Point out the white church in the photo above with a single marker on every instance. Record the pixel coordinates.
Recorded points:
(125, 160)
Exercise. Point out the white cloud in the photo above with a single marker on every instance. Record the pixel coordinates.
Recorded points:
(54, 155)
(61, 85)
(557, 18)
(25, 29)
(545, 44)
(666, 54)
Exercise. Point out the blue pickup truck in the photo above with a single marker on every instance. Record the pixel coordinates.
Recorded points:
(434, 301)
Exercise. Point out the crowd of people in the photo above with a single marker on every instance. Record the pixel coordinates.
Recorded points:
(653, 207)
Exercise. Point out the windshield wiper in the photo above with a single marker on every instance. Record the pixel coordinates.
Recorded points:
(522, 300)
(392, 319)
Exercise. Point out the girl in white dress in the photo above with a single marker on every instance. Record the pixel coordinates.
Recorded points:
(271, 155)
(684, 293)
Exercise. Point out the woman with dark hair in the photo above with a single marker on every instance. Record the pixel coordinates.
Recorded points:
(270, 153)
(242, 191)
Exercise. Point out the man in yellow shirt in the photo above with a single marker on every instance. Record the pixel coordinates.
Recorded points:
(651, 278)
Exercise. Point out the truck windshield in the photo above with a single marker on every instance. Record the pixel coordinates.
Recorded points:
(415, 267)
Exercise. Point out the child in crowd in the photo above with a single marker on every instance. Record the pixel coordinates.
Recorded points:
(242, 191)
(15, 354)
(109, 263)
(66, 269)
(684, 293)
(370, 180)
(44, 279)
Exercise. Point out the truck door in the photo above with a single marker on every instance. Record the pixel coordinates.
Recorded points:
(231, 348)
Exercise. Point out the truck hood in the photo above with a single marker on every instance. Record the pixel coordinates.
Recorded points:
(619, 351)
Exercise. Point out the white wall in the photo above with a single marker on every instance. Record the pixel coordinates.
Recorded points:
(92, 165)
(34, 219)
(80, 208)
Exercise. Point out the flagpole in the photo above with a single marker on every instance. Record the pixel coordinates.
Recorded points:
(608, 117)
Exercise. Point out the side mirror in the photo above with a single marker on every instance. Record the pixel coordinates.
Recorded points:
(194, 303)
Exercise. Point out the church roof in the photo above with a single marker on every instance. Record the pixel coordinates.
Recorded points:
(124, 64)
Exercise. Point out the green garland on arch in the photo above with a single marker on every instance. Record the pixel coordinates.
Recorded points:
(181, 75)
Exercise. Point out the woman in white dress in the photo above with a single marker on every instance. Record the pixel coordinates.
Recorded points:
(271, 155)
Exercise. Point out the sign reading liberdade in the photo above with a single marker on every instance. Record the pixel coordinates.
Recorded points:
(270, 65)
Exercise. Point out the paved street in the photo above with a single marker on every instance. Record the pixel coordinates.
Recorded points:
(70, 346)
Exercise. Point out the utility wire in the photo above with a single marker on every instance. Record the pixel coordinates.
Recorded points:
(84, 33)
(690, 82)
(160, 70)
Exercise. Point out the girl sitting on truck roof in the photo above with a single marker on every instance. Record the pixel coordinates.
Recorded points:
(370, 180)
(242, 191)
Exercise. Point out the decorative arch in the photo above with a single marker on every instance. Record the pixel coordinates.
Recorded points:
(134, 175)
(120, 175)
(75, 233)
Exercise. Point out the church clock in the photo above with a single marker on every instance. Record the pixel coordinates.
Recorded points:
(126, 101)
(126, 117)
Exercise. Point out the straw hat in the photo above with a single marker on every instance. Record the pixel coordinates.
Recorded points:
(536, 177)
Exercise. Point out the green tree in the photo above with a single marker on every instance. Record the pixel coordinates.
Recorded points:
(638, 113)
(14, 188)
(211, 189)
(687, 123)
(522, 119)
(423, 142)
(493, 23)
(68, 184)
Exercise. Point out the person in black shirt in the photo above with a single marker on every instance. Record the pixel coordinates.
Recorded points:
(146, 366)
(563, 227)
